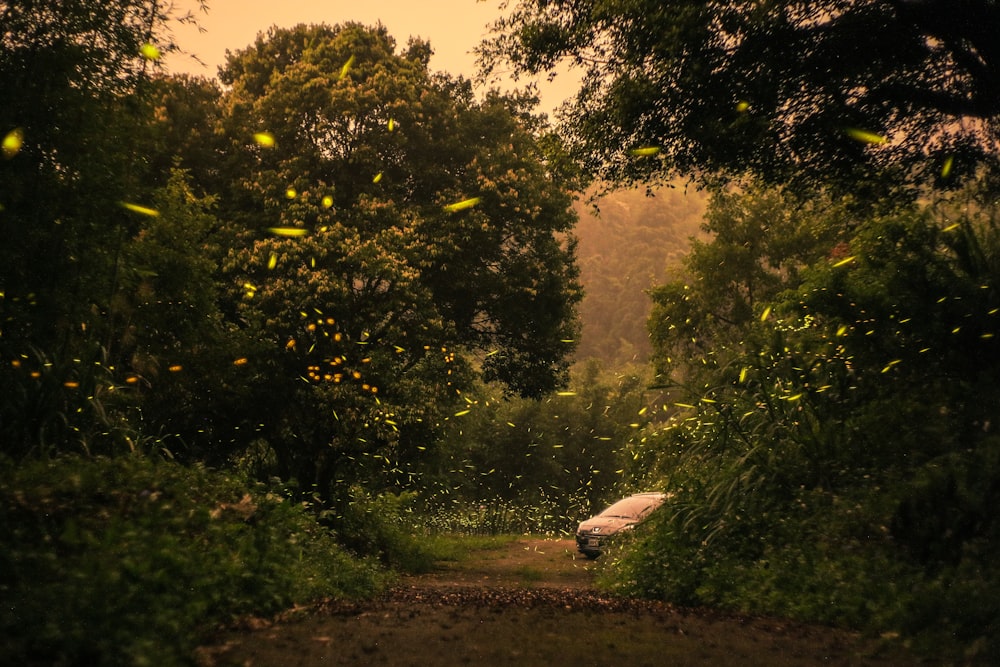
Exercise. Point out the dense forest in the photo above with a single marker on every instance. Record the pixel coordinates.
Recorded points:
(265, 337)
(628, 242)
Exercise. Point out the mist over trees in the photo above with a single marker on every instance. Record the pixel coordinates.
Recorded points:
(629, 244)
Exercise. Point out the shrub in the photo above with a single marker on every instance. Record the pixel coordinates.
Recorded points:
(129, 561)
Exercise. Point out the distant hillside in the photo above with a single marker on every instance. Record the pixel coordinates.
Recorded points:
(625, 249)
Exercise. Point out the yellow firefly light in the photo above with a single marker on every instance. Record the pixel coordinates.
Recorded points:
(149, 51)
(143, 210)
(287, 231)
(12, 142)
(462, 205)
(265, 139)
(946, 167)
(846, 260)
(646, 151)
(347, 67)
(327, 201)
(864, 136)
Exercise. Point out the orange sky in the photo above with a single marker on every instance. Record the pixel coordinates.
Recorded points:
(454, 28)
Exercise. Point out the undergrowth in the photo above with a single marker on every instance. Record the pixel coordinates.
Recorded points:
(130, 560)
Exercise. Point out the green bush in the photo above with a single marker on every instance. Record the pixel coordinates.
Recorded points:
(820, 558)
(128, 561)
(385, 527)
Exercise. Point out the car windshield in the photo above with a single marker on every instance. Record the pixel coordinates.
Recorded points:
(632, 508)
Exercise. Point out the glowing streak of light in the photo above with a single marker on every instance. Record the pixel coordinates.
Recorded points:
(347, 67)
(946, 167)
(142, 210)
(646, 151)
(846, 260)
(462, 205)
(864, 136)
(287, 231)
(265, 139)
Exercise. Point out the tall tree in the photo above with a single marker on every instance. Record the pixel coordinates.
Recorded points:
(71, 73)
(391, 235)
(757, 243)
(806, 92)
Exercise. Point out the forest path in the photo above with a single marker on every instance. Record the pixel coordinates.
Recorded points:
(531, 603)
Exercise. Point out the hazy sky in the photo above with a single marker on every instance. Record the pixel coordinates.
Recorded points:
(453, 27)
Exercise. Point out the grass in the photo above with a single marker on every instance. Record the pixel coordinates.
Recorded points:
(460, 548)
(529, 574)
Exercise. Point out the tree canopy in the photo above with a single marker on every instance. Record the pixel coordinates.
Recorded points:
(74, 77)
(871, 93)
(386, 238)
(313, 261)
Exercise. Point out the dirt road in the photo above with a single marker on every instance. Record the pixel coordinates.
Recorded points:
(530, 604)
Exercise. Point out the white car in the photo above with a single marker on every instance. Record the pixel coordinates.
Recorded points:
(593, 533)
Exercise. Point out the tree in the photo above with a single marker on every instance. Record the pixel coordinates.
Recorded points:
(181, 129)
(391, 238)
(757, 243)
(867, 93)
(626, 247)
(72, 73)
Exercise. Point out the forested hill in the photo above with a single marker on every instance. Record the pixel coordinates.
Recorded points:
(628, 245)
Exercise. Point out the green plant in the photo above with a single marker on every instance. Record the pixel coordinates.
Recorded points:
(130, 561)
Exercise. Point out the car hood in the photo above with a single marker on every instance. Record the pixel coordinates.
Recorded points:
(609, 525)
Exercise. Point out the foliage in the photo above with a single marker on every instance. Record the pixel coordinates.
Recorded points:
(544, 514)
(629, 242)
(851, 426)
(386, 526)
(180, 129)
(129, 561)
(420, 241)
(863, 95)
(758, 242)
(508, 464)
(71, 72)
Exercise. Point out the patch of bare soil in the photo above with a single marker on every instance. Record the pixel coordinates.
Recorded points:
(529, 604)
